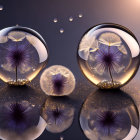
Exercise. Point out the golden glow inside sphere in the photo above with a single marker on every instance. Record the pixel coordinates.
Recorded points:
(57, 80)
(23, 55)
(109, 55)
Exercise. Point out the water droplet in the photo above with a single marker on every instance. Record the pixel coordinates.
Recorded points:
(61, 30)
(61, 138)
(55, 20)
(80, 15)
(70, 19)
(1, 7)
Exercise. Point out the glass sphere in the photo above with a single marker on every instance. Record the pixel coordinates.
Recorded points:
(58, 114)
(109, 115)
(57, 80)
(23, 54)
(109, 55)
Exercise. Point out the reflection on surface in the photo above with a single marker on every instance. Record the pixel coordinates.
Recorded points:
(58, 114)
(20, 114)
(109, 115)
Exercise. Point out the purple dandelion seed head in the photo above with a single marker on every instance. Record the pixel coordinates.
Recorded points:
(17, 113)
(55, 116)
(58, 83)
(108, 57)
(56, 113)
(18, 55)
(16, 117)
(107, 122)
(107, 119)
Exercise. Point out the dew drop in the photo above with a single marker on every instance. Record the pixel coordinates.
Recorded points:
(70, 19)
(61, 138)
(80, 15)
(1, 7)
(55, 20)
(61, 30)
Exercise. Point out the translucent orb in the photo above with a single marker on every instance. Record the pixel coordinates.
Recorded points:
(61, 30)
(109, 115)
(109, 55)
(70, 19)
(58, 114)
(57, 80)
(80, 15)
(23, 55)
(1, 7)
(55, 20)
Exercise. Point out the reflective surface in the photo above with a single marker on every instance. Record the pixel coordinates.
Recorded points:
(23, 54)
(108, 55)
(109, 115)
(20, 115)
(57, 80)
(58, 114)
(62, 47)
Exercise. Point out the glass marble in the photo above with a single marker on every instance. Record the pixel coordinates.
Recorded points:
(58, 114)
(23, 55)
(61, 30)
(57, 80)
(109, 55)
(80, 15)
(55, 20)
(70, 19)
(109, 115)
(1, 7)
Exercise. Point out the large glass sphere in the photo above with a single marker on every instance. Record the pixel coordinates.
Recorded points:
(23, 54)
(109, 115)
(109, 55)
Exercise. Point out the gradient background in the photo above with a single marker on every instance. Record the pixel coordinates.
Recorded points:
(39, 15)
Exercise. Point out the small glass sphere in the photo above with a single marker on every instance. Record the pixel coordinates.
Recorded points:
(80, 15)
(70, 19)
(58, 114)
(61, 30)
(57, 80)
(23, 55)
(109, 115)
(55, 20)
(1, 7)
(109, 55)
